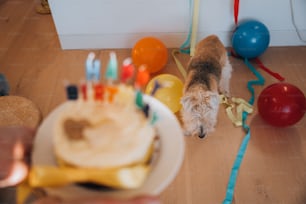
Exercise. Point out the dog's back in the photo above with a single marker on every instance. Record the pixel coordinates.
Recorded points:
(206, 65)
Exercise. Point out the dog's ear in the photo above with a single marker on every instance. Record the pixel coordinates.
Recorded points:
(212, 101)
(191, 104)
(187, 101)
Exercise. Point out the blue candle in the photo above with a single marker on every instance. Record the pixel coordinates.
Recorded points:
(89, 65)
(92, 68)
(96, 70)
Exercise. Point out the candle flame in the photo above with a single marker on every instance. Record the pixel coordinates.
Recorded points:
(17, 174)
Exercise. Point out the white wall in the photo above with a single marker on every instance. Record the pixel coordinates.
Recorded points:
(120, 23)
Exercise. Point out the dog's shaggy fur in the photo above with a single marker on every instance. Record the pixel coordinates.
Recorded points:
(208, 73)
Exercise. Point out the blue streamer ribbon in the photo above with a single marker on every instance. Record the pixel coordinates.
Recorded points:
(185, 47)
(237, 163)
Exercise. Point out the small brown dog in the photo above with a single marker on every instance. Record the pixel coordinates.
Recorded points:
(208, 73)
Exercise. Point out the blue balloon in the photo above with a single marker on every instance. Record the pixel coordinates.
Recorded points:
(250, 39)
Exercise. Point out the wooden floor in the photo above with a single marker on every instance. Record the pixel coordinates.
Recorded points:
(274, 168)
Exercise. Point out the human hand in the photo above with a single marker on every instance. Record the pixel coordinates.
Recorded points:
(99, 200)
(15, 148)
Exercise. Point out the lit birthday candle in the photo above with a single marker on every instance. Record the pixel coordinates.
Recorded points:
(112, 90)
(142, 77)
(96, 69)
(83, 89)
(92, 68)
(139, 99)
(127, 71)
(111, 75)
(72, 92)
(89, 66)
(112, 68)
(99, 92)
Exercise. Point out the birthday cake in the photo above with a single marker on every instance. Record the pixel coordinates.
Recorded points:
(106, 126)
(104, 134)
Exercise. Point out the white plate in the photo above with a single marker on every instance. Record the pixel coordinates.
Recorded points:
(163, 172)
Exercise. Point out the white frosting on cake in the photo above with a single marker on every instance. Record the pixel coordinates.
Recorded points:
(113, 134)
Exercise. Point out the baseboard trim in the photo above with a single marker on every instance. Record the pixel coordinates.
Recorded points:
(171, 40)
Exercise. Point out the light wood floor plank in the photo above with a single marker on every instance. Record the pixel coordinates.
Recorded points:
(274, 167)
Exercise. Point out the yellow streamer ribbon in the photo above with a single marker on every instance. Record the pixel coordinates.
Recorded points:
(178, 63)
(194, 30)
(238, 106)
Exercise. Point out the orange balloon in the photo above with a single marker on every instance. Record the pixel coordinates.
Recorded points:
(151, 52)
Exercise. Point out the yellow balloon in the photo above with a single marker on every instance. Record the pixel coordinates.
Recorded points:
(170, 92)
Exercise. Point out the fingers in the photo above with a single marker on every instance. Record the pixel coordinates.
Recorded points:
(9, 136)
(15, 146)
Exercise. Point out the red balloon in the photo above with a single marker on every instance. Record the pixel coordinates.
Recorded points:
(281, 104)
